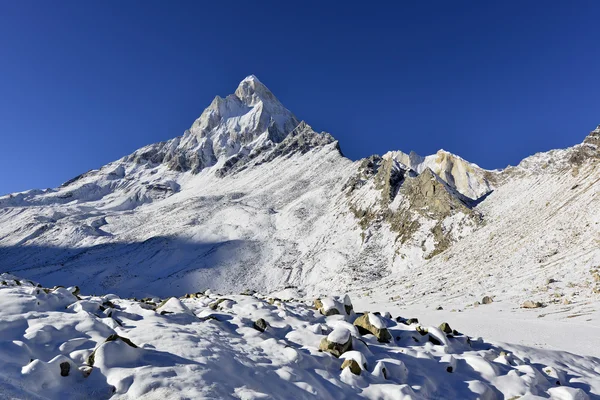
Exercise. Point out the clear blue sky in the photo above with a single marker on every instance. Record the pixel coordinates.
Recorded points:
(83, 83)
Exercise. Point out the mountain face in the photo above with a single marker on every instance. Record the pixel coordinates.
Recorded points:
(241, 125)
(250, 197)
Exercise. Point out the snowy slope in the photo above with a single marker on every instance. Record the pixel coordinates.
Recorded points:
(56, 345)
(249, 197)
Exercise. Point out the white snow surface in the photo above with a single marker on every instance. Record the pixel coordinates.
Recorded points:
(339, 335)
(376, 321)
(217, 354)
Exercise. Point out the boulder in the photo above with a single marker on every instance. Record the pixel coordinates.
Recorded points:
(531, 304)
(337, 342)
(65, 367)
(348, 305)
(353, 365)
(380, 370)
(356, 356)
(260, 325)
(273, 300)
(449, 361)
(173, 306)
(75, 290)
(215, 305)
(487, 300)
(373, 324)
(421, 330)
(111, 338)
(328, 306)
(445, 327)
(434, 340)
(318, 304)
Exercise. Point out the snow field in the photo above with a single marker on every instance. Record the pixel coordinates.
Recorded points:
(206, 346)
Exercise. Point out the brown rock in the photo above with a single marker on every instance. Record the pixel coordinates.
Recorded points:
(364, 326)
(445, 327)
(531, 304)
(337, 349)
(353, 365)
(318, 304)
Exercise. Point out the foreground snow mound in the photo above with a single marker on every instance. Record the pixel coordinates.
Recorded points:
(249, 347)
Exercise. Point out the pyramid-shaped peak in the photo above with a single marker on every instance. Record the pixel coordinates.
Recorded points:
(251, 91)
(251, 78)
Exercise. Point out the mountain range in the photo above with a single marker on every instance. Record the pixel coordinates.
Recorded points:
(250, 197)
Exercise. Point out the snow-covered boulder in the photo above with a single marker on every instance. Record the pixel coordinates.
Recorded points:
(337, 342)
(531, 304)
(173, 306)
(114, 349)
(260, 325)
(329, 306)
(375, 325)
(356, 356)
(352, 365)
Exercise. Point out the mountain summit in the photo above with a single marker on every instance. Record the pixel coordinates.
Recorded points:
(245, 122)
(252, 198)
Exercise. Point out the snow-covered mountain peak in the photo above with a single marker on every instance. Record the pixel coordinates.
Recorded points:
(252, 91)
(248, 113)
(249, 121)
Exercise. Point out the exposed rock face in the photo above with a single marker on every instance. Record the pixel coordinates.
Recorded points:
(427, 193)
(390, 176)
(463, 176)
(413, 203)
(301, 140)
